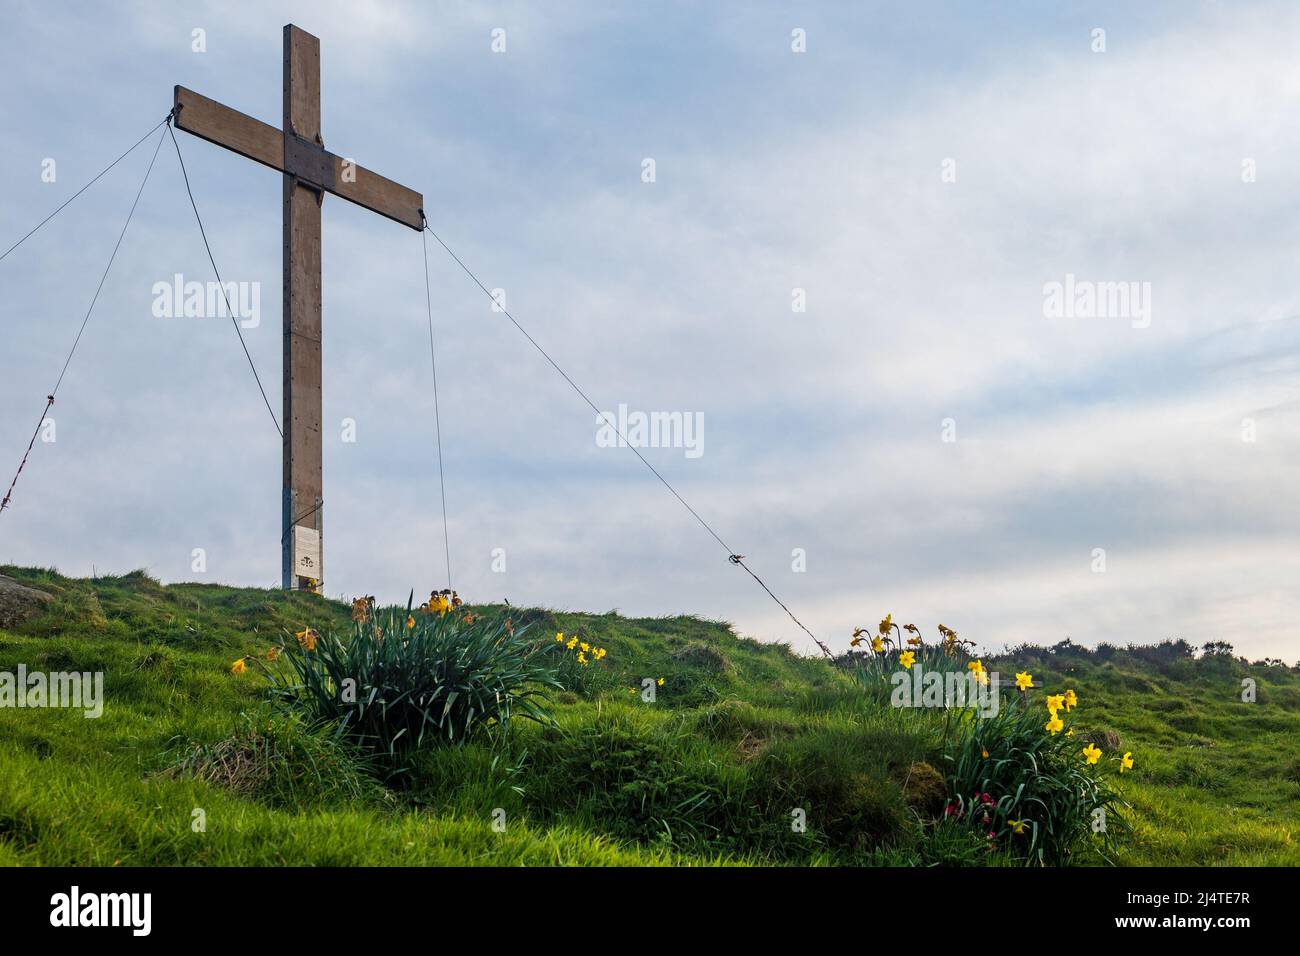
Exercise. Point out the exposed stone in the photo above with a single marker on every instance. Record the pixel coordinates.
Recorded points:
(19, 603)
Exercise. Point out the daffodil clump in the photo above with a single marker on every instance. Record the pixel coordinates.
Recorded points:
(577, 656)
(1028, 787)
(876, 656)
(584, 653)
(406, 677)
(441, 602)
(1091, 753)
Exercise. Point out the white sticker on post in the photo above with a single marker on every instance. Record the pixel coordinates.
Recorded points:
(306, 552)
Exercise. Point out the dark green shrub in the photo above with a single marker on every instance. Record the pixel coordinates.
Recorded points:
(636, 780)
(848, 784)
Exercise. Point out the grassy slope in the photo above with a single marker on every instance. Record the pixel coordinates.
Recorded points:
(741, 733)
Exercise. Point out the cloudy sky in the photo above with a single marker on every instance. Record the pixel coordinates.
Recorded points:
(936, 443)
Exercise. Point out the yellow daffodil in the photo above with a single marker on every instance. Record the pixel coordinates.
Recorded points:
(559, 637)
(273, 654)
(410, 622)
(887, 624)
(1024, 681)
(582, 658)
(878, 645)
(1070, 732)
(238, 667)
(1126, 761)
(660, 682)
(1055, 702)
(1018, 826)
(1070, 700)
(1054, 726)
(1091, 753)
(572, 643)
(856, 641)
(977, 668)
(307, 639)
(600, 653)
(984, 753)
(907, 659)
(914, 642)
(585, 647)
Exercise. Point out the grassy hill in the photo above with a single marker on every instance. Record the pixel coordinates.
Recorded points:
(740, 736)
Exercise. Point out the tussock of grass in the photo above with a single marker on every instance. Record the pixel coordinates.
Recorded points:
(278, 761)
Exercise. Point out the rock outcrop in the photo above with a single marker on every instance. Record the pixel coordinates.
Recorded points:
(19, 603)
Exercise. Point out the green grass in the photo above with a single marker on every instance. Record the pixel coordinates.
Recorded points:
(742, 737)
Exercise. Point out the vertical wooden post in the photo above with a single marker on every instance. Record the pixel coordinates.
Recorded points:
(297, 150)
(303, 482)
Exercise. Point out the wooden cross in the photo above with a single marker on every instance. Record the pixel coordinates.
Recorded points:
(310, 171)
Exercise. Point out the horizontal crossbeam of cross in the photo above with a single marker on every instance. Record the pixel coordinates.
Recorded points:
(305, 160)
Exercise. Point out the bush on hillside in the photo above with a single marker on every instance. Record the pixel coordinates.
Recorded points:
(640, 779)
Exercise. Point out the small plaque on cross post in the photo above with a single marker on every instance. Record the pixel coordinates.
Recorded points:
(307, 559)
